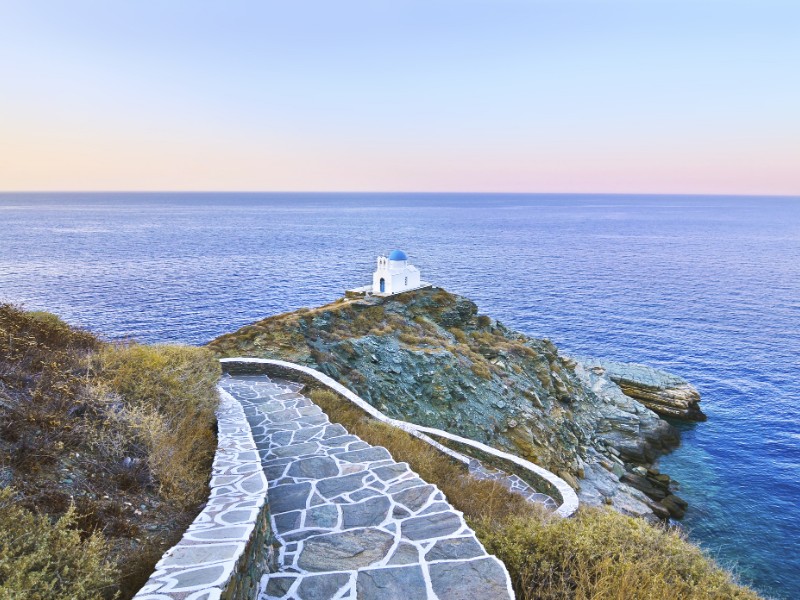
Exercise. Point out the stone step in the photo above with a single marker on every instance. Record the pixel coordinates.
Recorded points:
(351, 521)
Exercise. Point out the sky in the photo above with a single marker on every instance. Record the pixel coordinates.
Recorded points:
(540, 96)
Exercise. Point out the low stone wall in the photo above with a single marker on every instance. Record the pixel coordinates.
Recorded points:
(228, 546)
(554, 485)
(535, 480)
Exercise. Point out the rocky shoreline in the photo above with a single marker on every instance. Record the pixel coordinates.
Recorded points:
(665, 394)
(428, 357)
(624, 475)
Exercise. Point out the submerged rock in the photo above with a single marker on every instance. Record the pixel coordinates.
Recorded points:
(675, 505)
(428, 357)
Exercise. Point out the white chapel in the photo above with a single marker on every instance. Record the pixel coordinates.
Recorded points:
(393, 275)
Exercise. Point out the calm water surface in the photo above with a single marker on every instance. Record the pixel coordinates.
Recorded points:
(707, 287)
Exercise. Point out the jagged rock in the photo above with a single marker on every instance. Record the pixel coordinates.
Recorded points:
(645, 485)
(659, 510)
(664, 393)
(675, 505)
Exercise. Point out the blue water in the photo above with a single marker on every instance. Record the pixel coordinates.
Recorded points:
(707, 287)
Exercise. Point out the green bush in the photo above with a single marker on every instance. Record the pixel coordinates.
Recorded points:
(40, 559)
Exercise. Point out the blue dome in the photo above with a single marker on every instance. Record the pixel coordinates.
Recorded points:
(398, 255)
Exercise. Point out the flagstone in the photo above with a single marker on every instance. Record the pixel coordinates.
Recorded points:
(341, 506)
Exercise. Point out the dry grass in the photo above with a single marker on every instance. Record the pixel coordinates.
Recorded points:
(169, 396)
(597, 555)
(459, 334)
(109, 443)
(481, 370)
(603, 555)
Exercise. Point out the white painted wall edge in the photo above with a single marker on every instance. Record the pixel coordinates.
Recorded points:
(238, 485)
(569, 499)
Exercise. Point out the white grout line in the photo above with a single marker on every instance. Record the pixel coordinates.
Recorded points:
(422, 546)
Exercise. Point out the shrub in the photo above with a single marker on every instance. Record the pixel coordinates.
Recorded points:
(481, 370)
(369, 317)
(484, 321)
(42, 559)
(603, 555)
(459, 334)
(31, 338)
(169, 397)
(113, 444)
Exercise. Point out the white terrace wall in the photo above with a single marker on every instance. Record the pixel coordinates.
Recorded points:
(554, 485)
(228, 546)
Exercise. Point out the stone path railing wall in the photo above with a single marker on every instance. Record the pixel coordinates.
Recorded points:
(227, 548)
(549, 481)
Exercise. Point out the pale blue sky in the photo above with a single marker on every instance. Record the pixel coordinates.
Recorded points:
(540, 96)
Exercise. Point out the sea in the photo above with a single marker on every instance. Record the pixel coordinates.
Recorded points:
(707, 287)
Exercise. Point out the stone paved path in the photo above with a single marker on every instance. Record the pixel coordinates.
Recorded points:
(511, 482)
(352, 522)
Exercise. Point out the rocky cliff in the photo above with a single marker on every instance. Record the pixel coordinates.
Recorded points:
(427, 356)
(664, 393)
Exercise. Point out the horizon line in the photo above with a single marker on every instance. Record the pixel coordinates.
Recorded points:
(400, 192)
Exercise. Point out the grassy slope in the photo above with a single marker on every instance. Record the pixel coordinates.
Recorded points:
(597, 555)
(104, 447)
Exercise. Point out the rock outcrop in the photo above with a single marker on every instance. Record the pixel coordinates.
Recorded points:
(664, 393)
(428, 357)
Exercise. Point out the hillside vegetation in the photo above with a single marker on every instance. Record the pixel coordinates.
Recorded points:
(597, 555)
(429, 357)
(105, 455)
